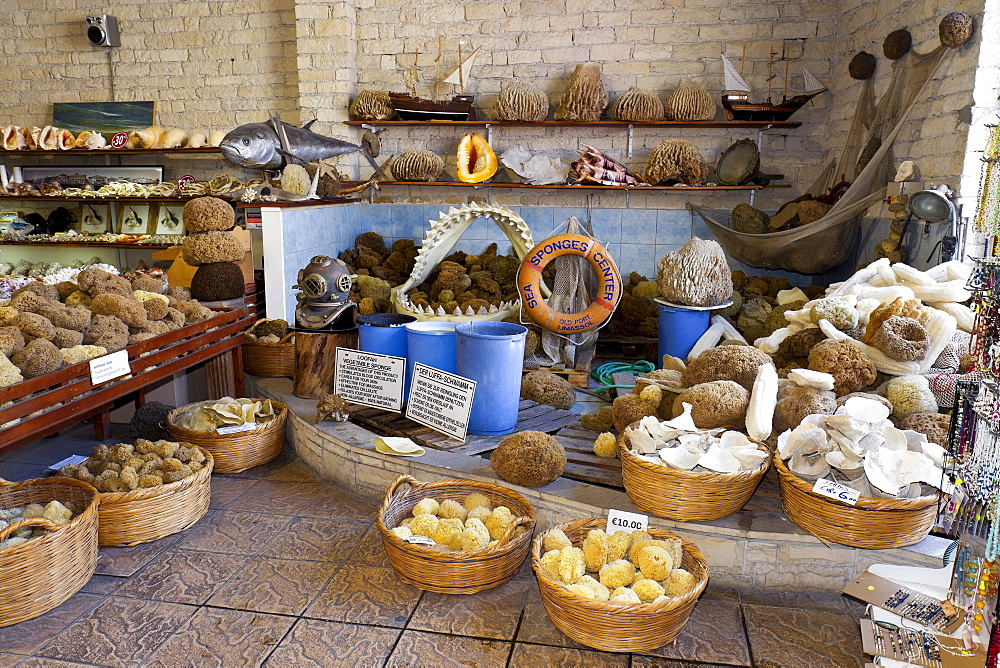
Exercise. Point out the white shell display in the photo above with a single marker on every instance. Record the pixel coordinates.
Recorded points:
(684, 449)
(848, 426)
(684, 421)
(868, 410)
(720, 460)
(808, 467)
(681, 458)
(735, 439)
(750, 458)
(641, 440)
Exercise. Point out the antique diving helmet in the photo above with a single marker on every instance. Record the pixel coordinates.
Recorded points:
(323, 303)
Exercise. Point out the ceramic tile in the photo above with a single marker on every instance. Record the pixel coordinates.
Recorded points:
(537, 628)
(183, 576)
(638, 229)
(38, 662)
(370, 551)
(493, 613)
(542, 655)
(639, 661)
(225, 490)
(365, 595)
(701, 639)
(538, 218)
(294, 471)
(314, 642)
(222, 638)
(416, 649)
(673, 227)
(280, 586)
(638, 257)
(316, 539)
(782, 637)
(332, 502)
(26, 637)
(103, 584)
(124, 561)
(278, 498)
(828, 602)
(119, 631)
(232, 532)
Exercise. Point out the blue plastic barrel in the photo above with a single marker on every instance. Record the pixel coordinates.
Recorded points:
(383, 333)
(679, 330)
(492, 354)
(430, 342)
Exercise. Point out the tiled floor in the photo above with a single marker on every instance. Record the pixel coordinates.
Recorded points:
(288, 570)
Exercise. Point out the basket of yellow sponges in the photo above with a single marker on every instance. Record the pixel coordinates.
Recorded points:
(623, 592)
(454, 536)
(149, 490)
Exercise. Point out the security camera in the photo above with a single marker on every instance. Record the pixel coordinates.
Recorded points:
(103, 30)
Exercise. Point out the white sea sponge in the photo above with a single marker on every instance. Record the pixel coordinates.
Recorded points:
(401, 532)
(427, 505)
(481, 513)
(555, 539)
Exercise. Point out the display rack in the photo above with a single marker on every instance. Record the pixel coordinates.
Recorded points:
(112, 151)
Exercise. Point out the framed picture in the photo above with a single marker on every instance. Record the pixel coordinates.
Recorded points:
(77, 176)
(95, 218)
(134, 217)
(169, 219)
(104, 117)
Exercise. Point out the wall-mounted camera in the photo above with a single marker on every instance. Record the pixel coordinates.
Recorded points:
(103, 30)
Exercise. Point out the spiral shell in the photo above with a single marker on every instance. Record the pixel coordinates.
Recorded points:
(371, 105)
(520, 101)
(417, 165)
(955, 29)
(690, 102)
(640, 105)
(585, 98)
(678, 161)
(90, 140)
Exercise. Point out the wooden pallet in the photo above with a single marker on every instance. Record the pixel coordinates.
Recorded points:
(627, 348)
(576, 377)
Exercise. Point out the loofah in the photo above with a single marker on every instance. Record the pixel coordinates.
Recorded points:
(862, 66)
(901, 338)
(520, 101)
(696, 275)
(206, 214)
(216, 281)
(529, 458)
(548, 388)
(371, 105)
(206, 247)
(690, 102)
(585, 98)
(418, 165)
(955, 29)
(676, 161)
(639, 105)
(720, 403)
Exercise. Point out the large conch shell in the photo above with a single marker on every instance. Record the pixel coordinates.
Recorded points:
(475, 160)
(148, 137)
(196, 140)
(32, 136)
(216, 137)
(90, 140)
(173, 138)
(49, 139)
(13, 139)
(65, 140)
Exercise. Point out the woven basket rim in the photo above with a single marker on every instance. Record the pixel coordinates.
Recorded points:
(625, 454)
(560, 591)
(149, 493)
(280, 412)
(864, 502)
(54, 534)
(283, 343)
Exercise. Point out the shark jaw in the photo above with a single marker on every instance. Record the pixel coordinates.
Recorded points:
(405, 306)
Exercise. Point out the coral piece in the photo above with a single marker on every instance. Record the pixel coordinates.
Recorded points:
(217, 281)
(934, 426)
(955, 29)
(797, 402)
(106, 331)
(206, 247)
(371, 105)
(628, 408)
(208, 214)
(910, 394)
(846, 362)
(897, 44)
(690, 102)
(520, 101)
(547, 388)
(529, 458)
(129, 311)
(862, 66)
(36, 325)
(749, 220)
(720, 403)
(585, 98)
(332, 407)
(676, 161)
(696, 275)
(736, 363)
(901, 338)
(639, 105)
(417, 165)
(37, 358)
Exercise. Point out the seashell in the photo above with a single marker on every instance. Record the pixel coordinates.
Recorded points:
(681, 458)
(955, 29)
(684, 421)
(640, 440)
(32, 137)
(676, 161)
(805, 439)
(934, 452)
(734, 439)
(196, 140)
(873, 440)
(891, 470)
(172, 139)
(849, 448)
(866, 410)
(90, 140)
(520, 101)
(65, 140)
(148, 137)
(216, 137)
(914, 439)
(720, 460)
(419, 165)
(13, 139)
(808, 467)
(690, 102)
(371, 105)
(49, 138)
(640, 105)
(815, 379)
(838, 460)
(585, 98)
(750, 458)
(850, 427)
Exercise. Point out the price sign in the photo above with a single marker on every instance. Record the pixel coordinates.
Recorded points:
(835, 490)
(237, 428)
(185, 181)
(619, 520)
(419, 540)
(109, 367)
(119, 140)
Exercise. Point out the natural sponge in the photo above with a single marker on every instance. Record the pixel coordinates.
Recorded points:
(845, 360)
(106, 331)
(798, 402)
(128, 310)
(208, 247)
(676, 161)
(696, 275)
(208, 214)
(547, 388)
(720, 403)
(901, 338)
(37, 358)
(529, 458)
(36, 325)
(735, 363)
(628, 408)
(216, 281)
(934, 426)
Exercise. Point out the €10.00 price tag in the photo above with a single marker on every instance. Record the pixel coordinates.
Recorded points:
(619, 520)
(835, 490)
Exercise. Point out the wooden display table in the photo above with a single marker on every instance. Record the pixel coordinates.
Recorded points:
(66, 396)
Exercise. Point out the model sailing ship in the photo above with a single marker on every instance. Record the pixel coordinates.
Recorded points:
(409, 107)
(736, 96)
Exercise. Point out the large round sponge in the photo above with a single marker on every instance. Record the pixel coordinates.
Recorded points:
(216, 281)
(529, 458)
(206, 214)
(208, 247)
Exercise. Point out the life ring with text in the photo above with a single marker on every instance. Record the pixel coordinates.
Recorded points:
(529, 278)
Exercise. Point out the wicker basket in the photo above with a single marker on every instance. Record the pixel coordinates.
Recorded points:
(270, 360)
(871, 523)
(613, 627)
(146, 514)
(464, 572)
(238, 452)
(685, 495)
(39, 575)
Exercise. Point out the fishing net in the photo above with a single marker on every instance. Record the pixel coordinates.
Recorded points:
(867, 157)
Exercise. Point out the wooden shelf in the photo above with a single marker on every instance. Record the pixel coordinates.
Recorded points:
(114, 151)
(604, 124)
(94, 200)
(87, 244)
(453, 184)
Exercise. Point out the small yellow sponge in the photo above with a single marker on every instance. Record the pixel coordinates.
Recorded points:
(679, 582)
(555, 539)
(426, 506)
(550, 564)
(618, 543)
(595, 549)
(619, 573)
(606, 445)
(647, 590)
(572, 566)
(655, 562)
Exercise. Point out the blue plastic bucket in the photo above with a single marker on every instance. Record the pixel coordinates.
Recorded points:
(492, 354)
(679, 330)
(430, 342)
(383, 333)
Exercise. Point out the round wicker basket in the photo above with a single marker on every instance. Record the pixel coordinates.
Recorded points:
(270, 360)
(39, 575)
(613, 627)
(685, 495)
(147, 514)
(871, 523)
(238, 452)
(464, 572)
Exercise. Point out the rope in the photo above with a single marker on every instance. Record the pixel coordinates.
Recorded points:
(603, 374)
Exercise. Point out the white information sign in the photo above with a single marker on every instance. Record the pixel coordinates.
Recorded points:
(109, 367)
(619, 520)
(440, 400)
(835, 490)
(71, 460)
(370, 379)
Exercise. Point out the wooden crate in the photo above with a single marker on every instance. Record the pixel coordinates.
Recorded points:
(576, 377)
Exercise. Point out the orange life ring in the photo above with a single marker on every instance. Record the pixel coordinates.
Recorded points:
(529, 278)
